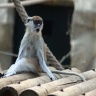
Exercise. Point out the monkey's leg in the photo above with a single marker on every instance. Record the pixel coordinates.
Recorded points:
(21, 65)
(46, 69)
(43, 64)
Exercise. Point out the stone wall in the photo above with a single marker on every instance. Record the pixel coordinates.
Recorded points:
(83, 35)
(6, 34)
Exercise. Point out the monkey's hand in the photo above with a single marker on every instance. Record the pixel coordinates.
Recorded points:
(52, 78)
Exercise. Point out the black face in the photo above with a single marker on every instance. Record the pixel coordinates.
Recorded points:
(37, 24)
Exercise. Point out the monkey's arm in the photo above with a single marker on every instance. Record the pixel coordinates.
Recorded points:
(21, 50)
(43, 65)
(70, 73)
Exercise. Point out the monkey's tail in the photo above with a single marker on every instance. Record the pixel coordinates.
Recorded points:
(70, 73)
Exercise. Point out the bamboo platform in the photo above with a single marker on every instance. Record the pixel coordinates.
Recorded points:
(28, 84)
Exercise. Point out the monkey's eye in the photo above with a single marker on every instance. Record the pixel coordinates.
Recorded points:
(29, 20)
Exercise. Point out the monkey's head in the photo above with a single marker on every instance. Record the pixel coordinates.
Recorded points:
(35, 23)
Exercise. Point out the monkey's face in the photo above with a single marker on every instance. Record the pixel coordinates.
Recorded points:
(35, 23)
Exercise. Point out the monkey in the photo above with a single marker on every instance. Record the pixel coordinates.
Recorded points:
(32, 53)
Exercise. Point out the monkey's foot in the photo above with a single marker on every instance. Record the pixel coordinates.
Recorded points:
(9, 74)
(1, 75)
(52, 78)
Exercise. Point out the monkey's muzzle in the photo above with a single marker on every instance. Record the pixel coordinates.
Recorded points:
(38, 24)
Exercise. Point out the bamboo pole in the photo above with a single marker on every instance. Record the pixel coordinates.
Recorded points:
(91, 93)
(77, 89)
(50, 87)
(16, 89)
(18, 78)
(47, 88)
(15, 79)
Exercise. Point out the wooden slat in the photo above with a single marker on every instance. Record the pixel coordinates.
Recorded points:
(50, 87)
(60, 2)
(32, 2)
(77, 89)
(16, 89)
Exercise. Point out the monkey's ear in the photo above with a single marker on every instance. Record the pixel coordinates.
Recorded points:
(29, 19)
